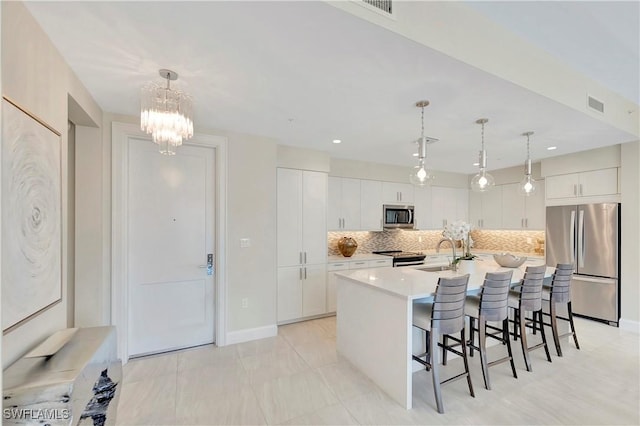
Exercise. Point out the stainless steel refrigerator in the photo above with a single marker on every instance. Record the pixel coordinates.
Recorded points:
(589, 237)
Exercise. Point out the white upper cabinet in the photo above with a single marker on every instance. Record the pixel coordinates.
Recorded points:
(522, 212)
(344, 209)
(397, 193)
(448, 205)
(585, 184)
(371, 205)
(485, 209)
(302, 219)
(422, 204)
(354, 205)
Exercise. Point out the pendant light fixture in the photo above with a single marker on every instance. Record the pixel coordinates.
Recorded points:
(421, 176)
(483, 181)
(528, 184)
(166, 114)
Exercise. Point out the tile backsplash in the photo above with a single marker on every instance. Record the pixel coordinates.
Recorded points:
(513, 241)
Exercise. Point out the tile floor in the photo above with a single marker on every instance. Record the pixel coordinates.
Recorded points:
(296, 378)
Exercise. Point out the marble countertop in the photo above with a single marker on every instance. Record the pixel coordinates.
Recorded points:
(356, 257)
(412, 283)
(444, 252)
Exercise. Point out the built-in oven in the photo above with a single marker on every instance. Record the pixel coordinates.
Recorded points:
(397, 216)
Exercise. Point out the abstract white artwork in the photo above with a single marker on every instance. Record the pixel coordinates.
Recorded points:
(31, 216)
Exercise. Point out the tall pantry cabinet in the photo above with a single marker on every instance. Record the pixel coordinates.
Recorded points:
(302, 243)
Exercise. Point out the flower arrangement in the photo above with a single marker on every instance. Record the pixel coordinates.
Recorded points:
(460, 231)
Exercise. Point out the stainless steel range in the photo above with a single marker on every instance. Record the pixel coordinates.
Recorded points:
(403, 258)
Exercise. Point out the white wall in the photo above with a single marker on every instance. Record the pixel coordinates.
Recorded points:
(390, 173)
(36, 77)
(593, 159)
(630, 248)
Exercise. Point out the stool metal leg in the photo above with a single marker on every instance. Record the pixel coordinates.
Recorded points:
(554, 327)
(523, 339)
(505, 328)
(482, 337)
(573, 328)
(544, 338)
(435, 370)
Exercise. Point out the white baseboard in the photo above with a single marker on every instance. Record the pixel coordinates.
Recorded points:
(249, 334)
(628, 325)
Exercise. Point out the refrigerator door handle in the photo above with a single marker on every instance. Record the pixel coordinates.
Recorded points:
(572, 237)
(581, 238)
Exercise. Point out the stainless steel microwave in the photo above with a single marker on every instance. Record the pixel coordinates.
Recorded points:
(396, 216)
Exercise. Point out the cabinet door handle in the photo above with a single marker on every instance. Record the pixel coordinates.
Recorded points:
(300, 274)
(580, 189)
(305, 257)
(300, 257)
(305, 273)
(575, 189)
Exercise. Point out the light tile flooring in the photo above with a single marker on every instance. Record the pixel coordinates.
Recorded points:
(296, 378)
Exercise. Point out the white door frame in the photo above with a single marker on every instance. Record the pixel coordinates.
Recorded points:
(121, 133)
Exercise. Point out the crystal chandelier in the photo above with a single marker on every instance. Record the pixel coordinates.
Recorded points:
(483, 181)
(528, 184)
(422, 176)
(166, 114)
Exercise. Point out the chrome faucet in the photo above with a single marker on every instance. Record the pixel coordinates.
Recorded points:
(454, 264)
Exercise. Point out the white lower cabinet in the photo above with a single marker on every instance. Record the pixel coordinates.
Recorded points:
(302, 291)
(333, 267)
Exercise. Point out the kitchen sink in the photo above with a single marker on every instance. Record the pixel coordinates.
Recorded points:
(435, 268)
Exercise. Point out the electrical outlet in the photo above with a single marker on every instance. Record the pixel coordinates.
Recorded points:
(529, 240)
(245, 242)
(245, 302)
(419, 239)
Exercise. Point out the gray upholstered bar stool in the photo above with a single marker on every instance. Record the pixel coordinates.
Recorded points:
(491, 305)
(527, 297)
(443, 316)
(560, 293)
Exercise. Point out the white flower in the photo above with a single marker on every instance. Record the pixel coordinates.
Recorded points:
(458, 230)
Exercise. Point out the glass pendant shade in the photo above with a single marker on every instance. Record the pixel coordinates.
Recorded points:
(482, 182)
(421, 176)
(527, 185)
(166, 114)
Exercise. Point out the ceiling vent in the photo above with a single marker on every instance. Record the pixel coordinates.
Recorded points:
(595, 104)
(383, 5)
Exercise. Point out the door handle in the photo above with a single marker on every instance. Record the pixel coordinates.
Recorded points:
(209, 265)
(572, 235)
(581, 238)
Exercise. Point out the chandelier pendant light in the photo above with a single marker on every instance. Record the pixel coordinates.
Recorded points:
(528, 184)
(421, 176)
(166, 114)
(483, 181)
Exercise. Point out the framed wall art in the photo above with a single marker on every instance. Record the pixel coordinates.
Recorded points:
(31, 216)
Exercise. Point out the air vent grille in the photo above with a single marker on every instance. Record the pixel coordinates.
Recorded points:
(384, 5)
(595, 104)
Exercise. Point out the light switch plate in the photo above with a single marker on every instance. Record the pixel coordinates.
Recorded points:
(245, 242)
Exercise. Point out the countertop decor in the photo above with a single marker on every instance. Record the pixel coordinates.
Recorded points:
(347, 246)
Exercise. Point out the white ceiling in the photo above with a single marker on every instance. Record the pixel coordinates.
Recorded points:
(305, 73)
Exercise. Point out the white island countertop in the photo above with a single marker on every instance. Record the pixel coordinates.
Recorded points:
(412, 283)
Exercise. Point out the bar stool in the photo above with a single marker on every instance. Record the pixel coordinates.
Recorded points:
(560, 293)
(443, 316)
(492, 305)
(527, 297)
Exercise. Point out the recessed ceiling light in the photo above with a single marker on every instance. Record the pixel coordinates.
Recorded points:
(415, 154)
(551, 148)
(476, 164)
(337, 141)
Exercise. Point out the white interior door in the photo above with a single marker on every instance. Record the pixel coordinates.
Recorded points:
(171, 217)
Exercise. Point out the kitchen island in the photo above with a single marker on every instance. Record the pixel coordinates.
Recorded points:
(374, 320)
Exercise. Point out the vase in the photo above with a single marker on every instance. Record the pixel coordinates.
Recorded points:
(347, 246)
(466, 266)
